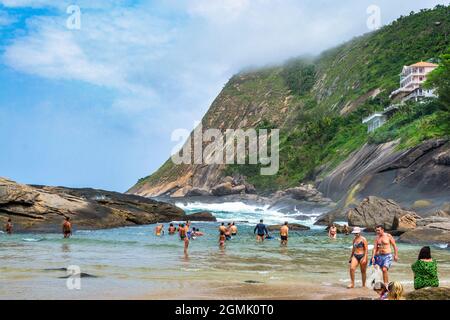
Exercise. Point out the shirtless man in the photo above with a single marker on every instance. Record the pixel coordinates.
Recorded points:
(382, 254)
(284, 232)
(159, 230)
(9, 226)
(172, 229)
(183, 236)
(332, 232)
(67, 228)
(222, 228)
(233, 229)
(228, 231)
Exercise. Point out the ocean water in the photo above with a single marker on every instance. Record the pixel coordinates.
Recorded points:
(132, 262)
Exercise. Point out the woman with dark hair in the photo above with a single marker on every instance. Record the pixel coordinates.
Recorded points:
(425, 270)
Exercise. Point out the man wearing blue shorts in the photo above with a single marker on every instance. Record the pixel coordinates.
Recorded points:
(382, 252)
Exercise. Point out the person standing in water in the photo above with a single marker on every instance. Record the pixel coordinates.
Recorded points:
(284, 232)
(183, 236)
(382, 253)
(222, 228)
(262, 231)
(332, 232)
(228, 231)
(159, 230)
(360, 251)
(233, 229)
(9, 226)
(222, 239)
(172, 229)
(67, 228)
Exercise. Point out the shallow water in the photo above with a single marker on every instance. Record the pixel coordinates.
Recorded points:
(132, 262)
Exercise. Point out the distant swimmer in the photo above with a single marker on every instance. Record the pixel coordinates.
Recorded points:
(197, 233)
(172, 229)
(284, 233)
(222, 228)
(184, 237)
(228, 232)
(382, 253)
(9, 226)
(332, 232)
(222, 239)
(67, 228)
(260, 230)
(159, 230)
(359, 255)
(233, 229)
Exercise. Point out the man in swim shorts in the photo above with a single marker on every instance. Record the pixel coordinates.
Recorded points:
(262, 231)
(9, 226)
(233, 229)
(382, 253)
(67, 228)
(222, 228)
(284, 232)
(228, 231)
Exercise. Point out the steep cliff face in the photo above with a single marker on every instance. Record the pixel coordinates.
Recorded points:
(318, 105)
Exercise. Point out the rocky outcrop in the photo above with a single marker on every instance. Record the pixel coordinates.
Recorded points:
(304, 192)
(374, 211)
(201, 216)
(227, 188)
(434, 233)
(327, 218)
(42, 209)
(440, 293)
(197, 192)
(344, 229)
(419, 173)
(291, 226)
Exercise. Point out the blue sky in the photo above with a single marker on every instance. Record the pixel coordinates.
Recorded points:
(96, 106)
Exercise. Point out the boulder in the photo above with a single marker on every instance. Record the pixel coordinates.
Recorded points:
(201, 216)
(435, 233)
(327, 218)
(222, 189)
(292, 227)
(440, 293)
(433, 219)
(373, 211)
(180, 193)
(42, 208)
(407, 222)
(197, 192)
(304, 192)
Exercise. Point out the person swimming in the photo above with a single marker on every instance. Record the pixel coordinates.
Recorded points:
(171, 229)
(262, 231)
(67, 228)
(233, 229)
(222, 239)
(9, 226)
(159, 230)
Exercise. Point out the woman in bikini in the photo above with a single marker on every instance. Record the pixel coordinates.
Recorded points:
(359, 256)
(222, 239)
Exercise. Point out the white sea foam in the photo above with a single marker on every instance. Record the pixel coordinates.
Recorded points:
(240, 211)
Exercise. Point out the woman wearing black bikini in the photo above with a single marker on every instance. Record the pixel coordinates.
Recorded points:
(359, 256)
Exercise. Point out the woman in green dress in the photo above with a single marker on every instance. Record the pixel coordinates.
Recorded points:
(425, 270)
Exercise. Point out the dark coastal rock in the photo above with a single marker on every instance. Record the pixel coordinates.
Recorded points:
(434, 233)
(328, 218)
(227, 188)
(42, 208)
(197, 192)
(381, 170)
(292, 227)
(440, 293)
(374, 211)
(201, 216)
(433, 219)
(304, 192)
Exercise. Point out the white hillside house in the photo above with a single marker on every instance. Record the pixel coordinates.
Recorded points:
(411, 88)
(411, 82)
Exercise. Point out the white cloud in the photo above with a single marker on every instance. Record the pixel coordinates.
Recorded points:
(6, 19)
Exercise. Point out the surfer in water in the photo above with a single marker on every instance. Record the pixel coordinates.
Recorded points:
(382, 252)
(284, 232)
(159, 230)
(172, 229)
(67, 228)
(9, 226)
(261, 231)
(360, 251)
(332, 232)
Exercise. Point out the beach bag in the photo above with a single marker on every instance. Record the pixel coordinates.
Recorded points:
(375, 275)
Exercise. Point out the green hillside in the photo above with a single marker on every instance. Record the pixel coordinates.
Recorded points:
(319, 103)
